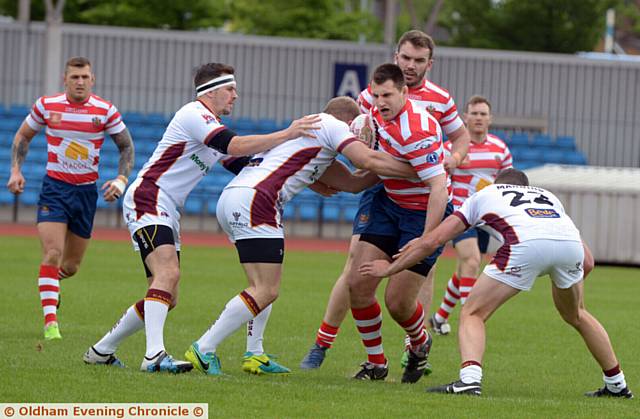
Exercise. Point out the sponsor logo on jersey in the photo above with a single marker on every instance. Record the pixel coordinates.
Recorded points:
(236, 215)
(77, 151)
(200, 163)
(55, 118)
(542, 213)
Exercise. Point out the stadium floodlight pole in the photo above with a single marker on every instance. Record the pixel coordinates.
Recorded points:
(609, 33)
(53, 54)
(24, 11)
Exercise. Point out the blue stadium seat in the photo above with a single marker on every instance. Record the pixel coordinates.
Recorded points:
(10, 124)
(566, 143)
(331, 212)
(266, 126)
(133, 118)
(193, 205)
(18, 111)
(519, 140)
(30, 196)
(524, 165)
(500, 134)
(553, 156)
(6, 197)
(542, 140)
(243, 126)
(530, 154)
(308, 210)
(575, 157)
(156, 119)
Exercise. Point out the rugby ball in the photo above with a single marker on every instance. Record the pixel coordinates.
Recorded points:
(363, 129)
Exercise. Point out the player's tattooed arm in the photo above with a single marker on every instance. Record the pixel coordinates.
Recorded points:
(125, 145)
(19, 151)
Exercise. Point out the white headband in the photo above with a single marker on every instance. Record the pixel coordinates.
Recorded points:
(213, 84)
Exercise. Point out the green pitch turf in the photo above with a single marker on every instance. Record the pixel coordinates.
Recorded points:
(535, 365)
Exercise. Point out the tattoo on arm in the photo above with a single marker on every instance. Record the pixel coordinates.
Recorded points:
(19, 151)
(125, 146)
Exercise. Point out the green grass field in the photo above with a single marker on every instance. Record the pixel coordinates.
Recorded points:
(535, 365)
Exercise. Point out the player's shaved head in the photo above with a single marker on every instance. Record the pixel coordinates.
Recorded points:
(342, 107)
(512, 177)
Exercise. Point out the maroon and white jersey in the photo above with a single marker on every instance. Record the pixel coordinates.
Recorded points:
(479, 168)
(415, 137)
(181, 159)
(436, 100)
(287, 169)
(516, 214)
(75, 134)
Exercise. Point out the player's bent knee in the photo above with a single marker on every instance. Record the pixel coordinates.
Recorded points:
(52, 256)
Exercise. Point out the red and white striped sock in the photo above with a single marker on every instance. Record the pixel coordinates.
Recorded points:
(450, 299)
(414, 326)
(326, 335)
(369, 323)
(466, 284)
(49, 287)
(62, 274)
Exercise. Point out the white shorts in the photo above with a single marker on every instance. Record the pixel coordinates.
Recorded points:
(167, 214)
(245, 213)
(522, 263)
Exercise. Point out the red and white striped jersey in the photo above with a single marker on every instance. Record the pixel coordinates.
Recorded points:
(479, 168)
(413, 136)
(287, 169)
(180, 160)
(436, 100)
(75, 134)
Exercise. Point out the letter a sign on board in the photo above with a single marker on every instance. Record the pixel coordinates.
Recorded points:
(349, 79)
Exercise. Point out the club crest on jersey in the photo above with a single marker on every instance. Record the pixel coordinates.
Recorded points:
(542, 213)
(432, 158)
(431, 109)
(236, 215)
(208, 118)
(55, 118)
(96, 121)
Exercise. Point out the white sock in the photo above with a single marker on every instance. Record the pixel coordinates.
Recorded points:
(615, 383)
(235, 314)
(155, 314)
(471, 374)
(129, 323)
(255, 331)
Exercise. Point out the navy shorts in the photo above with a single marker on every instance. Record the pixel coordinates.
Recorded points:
(362, 217)
(74, 205)
(480, 235)
(403, 225)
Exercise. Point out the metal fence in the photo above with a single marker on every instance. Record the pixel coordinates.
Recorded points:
(598, 102)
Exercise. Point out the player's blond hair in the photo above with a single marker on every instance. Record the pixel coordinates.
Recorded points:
(342, 107)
